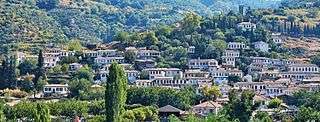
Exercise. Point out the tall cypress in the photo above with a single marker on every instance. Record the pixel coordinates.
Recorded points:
(40, 69)
(3, 75)
(12, 74)
(115, 95)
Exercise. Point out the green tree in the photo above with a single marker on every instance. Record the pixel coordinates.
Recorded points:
(240, 108)
(42, 113)
(115, 95)
(150, 39)
(2, 115)
(26, 67)
(78, 87)
(130, 57)
(65, 68)
(84, 72)
(191, 22)
(47, 4)
(316, 59)
(173, 118)
(164, 30)
(233, 79)
(129, 115)
(24, 109)
(74, 45)
(306, 114)
(124, 38)
(275, 103)
(219, 35)
(40, 83)
(263, 116)
(57, 69)
(211, 93)
(40, 69)
(12, 73)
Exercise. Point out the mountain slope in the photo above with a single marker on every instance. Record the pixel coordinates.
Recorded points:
(98, 20)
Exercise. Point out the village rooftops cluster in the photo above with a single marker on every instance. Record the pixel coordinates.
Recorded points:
(267, 77)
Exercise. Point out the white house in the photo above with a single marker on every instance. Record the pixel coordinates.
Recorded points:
(191, 49)
(108, 60)
(202, 63)
(237, 45)
(262, 46)
(59, 89)
(267, 88)
(222, 75)
(144, 83)
(276, 38)
(148, 54)
(229, 57)
(50, 62)
(246, 26)
(196, 74)
(132, 75)
(207, 108)
(311, 68)
(74, 66)
(164, 72)
(21, 57)
(100, 53)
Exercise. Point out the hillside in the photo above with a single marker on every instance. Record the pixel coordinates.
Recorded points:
(96, 20)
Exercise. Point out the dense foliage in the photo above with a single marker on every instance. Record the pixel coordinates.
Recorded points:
(116, 93)
(182, 99)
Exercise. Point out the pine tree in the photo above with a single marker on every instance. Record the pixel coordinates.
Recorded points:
(115, 95)
(42, 113)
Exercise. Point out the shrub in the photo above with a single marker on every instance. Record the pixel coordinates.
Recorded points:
(15, 93)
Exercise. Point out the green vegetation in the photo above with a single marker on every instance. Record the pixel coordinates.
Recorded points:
(275, 103)
(116, 93)
(42, 113)
(182, 99)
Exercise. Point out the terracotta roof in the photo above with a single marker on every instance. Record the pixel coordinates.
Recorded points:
(208, 104)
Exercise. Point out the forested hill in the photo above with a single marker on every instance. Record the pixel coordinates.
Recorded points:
(45, 21)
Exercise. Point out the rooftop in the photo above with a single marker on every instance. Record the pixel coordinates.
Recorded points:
(208, 104)
(169, 108)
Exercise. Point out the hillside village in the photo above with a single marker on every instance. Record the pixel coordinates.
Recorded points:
(230, 67)
(268, 77)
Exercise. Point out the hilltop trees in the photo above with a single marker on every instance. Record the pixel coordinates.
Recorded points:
(115, 96)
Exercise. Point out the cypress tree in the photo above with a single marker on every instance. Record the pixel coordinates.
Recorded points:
(42, 113)
(12, 74)
(40, 69)
(3, 75)
(115, 95)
